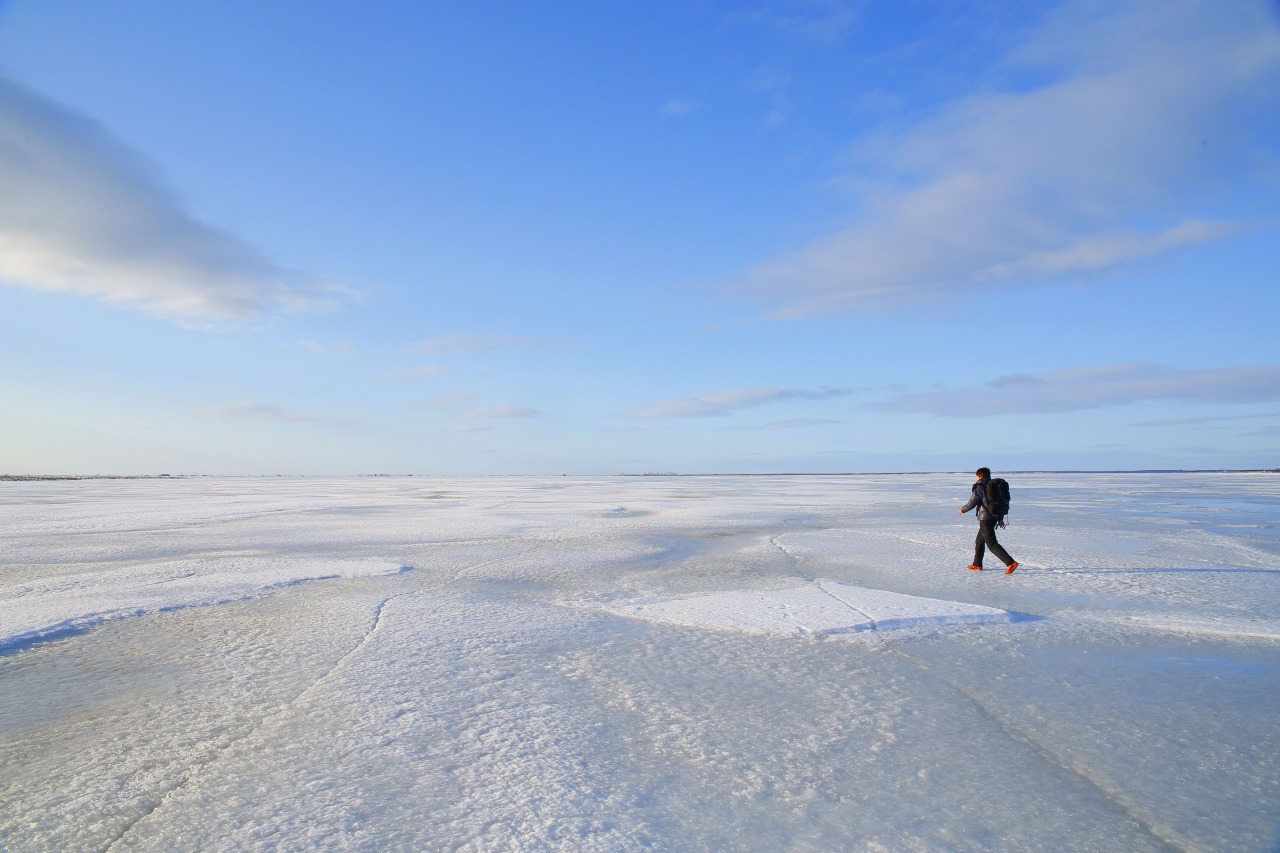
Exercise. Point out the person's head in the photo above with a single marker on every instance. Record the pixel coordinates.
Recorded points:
(983, 472)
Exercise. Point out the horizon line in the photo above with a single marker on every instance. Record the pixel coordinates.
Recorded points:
(71, 477)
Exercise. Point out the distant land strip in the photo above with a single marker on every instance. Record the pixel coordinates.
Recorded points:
(25, 478)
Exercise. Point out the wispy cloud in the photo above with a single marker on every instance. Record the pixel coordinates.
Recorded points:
(1149, 103)
(475, 418)
(822, 21)
(1202, 421)
(680, 107)
(794, 423)
(463, 344)
(266, 412)
(487, 418)
(81, 212)
(1095, 387)
(722, 403)
(498, 413)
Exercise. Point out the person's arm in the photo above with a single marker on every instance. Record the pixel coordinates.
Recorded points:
(974, 500)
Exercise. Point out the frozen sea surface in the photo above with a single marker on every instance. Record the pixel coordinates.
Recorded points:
(616, 664)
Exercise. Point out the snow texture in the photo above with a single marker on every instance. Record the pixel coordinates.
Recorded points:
(822, 607)
(638, 664)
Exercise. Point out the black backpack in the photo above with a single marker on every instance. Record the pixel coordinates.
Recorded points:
(995, 498)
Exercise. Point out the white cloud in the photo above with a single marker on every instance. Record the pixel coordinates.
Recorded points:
(1101, 251)
(1150, 103)
(722, 403)
(80, 212)
(1095, 387)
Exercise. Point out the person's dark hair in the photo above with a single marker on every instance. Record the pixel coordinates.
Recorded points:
(983, 472)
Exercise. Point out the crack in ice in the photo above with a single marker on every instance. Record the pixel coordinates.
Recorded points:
(871, 622)
(1077, 769)
(196, 769)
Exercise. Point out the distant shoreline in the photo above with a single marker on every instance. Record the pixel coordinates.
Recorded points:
(30, 478)
(26, 478)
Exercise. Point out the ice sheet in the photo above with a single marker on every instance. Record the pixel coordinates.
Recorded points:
(503, 693)
(819, 607)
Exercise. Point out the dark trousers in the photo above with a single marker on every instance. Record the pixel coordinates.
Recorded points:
(987, 539)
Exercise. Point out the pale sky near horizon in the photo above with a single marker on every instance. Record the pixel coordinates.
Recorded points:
(295, 237)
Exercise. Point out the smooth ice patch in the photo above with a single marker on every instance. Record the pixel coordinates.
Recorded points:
(820, 607)
(56, 604)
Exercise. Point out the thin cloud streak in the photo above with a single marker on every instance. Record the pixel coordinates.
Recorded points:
(1151, 104)
(799, 423)
(1095, 387)
(265, 412)
(474, 418)
(485, 419)
(464, 344)
(83, 213)
(722, 403)
(680, 107)
(821, 21)
(499, 413)
(794, 423)
(1200, 421)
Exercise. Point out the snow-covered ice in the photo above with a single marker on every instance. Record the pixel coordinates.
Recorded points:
(53, 604)
(646, 663)
(817, 607)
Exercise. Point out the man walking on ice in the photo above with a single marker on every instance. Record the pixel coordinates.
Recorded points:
(988, 518)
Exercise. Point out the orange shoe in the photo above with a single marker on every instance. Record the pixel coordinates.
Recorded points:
(975, 567)
(1012, 566)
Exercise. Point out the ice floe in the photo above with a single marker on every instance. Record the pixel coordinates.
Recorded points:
(55, 604)
(819, 607)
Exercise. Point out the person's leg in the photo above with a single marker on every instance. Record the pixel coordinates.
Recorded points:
(979, 547)
(988, 528)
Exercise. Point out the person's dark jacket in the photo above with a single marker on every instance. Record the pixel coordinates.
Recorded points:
(979, 495)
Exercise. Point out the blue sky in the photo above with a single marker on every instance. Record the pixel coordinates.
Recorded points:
(580, 237)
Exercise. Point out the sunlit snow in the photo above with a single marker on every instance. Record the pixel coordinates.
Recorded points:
(820, 607)
(638, 663)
